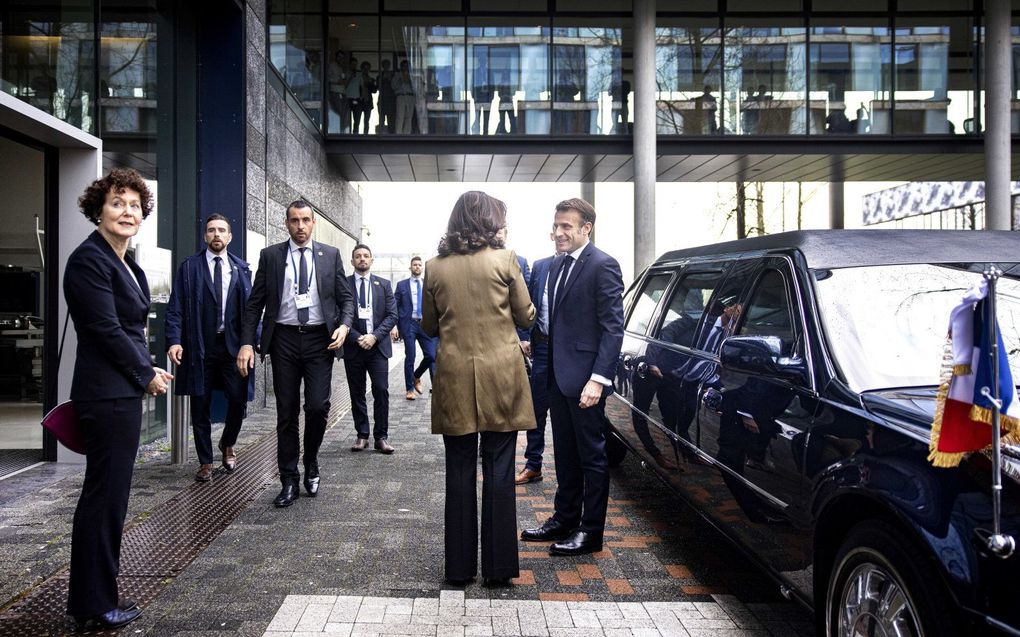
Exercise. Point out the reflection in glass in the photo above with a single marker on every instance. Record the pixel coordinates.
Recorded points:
(429, 89)
(508, 78)
(688, 63)
(127, 70)
(296, 51)
(765, 83)
(1014, 114)
(47, 58)
(849, 74)
(587, 77)
(933, 64)
(359, 86)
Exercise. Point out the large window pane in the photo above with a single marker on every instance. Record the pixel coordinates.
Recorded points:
(429, 84)
(47, 58)
(127, 68)
(508, 77)
(588, 78)
(848, 74)
(688, 61)
(296, 51)
(933, 73)
(359, 82)
(764, 78)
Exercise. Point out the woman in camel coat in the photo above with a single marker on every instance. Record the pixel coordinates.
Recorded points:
(474, 298)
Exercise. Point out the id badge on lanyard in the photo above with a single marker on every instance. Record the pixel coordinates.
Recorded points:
(302, 301)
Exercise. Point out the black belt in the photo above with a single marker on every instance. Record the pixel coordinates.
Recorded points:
(539, 337)
(302, 329)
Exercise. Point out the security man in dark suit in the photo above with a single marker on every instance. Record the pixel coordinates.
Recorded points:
(368, 349)
(536, 345)
(409, 298)
(309, 308)
(585, 337)
(203, 331)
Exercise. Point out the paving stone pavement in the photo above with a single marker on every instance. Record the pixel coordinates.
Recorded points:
(372, 542)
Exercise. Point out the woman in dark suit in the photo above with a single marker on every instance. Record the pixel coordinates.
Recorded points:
(474, 297)
(108, 299)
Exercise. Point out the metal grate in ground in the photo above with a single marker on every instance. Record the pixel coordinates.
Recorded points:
(159, 544)
(12, 460)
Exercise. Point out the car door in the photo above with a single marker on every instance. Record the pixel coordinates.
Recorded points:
(642, 314)
(754, 424)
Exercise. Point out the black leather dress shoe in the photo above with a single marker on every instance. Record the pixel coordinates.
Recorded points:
(312, 486)
(126, 603)
(112, 619)
(550, 531)
(497, 582)
(579, 543)
(288, 494)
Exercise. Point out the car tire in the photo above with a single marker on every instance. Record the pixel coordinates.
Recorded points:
(881, 580)
(616, 451)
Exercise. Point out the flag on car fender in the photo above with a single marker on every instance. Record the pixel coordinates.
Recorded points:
(963, 416)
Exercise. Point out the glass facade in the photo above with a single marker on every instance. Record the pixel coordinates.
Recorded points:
(528, 68)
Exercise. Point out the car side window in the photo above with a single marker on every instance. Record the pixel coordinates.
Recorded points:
(687, 306)
(769, 314)
(723, 309)
(646, 302)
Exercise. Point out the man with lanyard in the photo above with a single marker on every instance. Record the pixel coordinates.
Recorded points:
(409, 327)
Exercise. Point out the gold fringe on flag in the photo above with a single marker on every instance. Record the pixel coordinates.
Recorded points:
(946, 373)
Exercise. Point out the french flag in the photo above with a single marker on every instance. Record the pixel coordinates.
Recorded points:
(963, 416)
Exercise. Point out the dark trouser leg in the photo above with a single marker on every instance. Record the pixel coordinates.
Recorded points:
(200, 425)
(428, 352)
(409, 353)
(285, 351)
(499, 506)
(569, 480)
(379, 371)
(112, 429)
(318, 376)
(354, 367)
(235, 388)
(590, 439)
(461, 509)
(540, 401)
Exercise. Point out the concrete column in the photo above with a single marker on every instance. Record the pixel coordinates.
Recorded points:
(588, 194)
(644, 133)
(998, 212)
(836, 194)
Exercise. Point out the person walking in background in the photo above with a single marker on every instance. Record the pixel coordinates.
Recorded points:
(585, 337)
(306, 321)
(203, 332)
(536, 345)
(368, 349)
(409, 299)
(482, 389)
(369, 87)
(387, 99)
(403, 90)
(108, 300)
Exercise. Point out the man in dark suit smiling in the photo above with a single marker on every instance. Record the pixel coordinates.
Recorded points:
(368, 349)
(585, 337)
(309, 308)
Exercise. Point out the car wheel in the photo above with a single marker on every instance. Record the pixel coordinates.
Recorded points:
(881, 586)
(616, 451)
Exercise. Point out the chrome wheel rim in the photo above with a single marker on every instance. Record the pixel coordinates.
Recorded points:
(874, 603)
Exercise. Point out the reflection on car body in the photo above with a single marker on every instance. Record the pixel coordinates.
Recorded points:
(785, 385)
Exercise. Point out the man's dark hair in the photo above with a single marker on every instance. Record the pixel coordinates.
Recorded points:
(474, 222)
(361, 246)
(415, 258)
(298, 203)
(580, 205)
(117, 181)
(217, 217)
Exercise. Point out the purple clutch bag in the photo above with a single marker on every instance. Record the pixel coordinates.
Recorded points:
(62, 422)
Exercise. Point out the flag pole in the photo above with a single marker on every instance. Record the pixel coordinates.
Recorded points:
(1000, 545)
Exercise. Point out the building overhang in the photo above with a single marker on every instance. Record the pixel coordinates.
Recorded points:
(701, 159)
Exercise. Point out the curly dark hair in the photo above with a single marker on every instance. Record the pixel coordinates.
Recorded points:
(474, 222)
(117, 181)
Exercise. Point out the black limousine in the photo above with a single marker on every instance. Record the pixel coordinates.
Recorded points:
(785, 387)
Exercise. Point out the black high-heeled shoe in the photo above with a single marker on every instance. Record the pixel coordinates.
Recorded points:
(115, 618)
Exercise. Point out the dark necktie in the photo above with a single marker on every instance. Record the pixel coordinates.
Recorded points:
(217, 281)
(302, 314)
(361, 294)
(562, 282)
(417, 295)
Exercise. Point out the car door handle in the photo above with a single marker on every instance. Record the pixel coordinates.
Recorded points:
(711, 399)
(785, 430)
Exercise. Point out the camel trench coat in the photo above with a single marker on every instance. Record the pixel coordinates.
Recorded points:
(473, 303)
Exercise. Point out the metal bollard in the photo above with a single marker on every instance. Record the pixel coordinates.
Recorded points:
(180, 420)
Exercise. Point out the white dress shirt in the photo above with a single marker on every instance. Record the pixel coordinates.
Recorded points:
(288, 309)
(415, 310)
(226, 273)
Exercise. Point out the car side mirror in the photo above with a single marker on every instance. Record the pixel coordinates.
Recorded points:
(759, 355)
